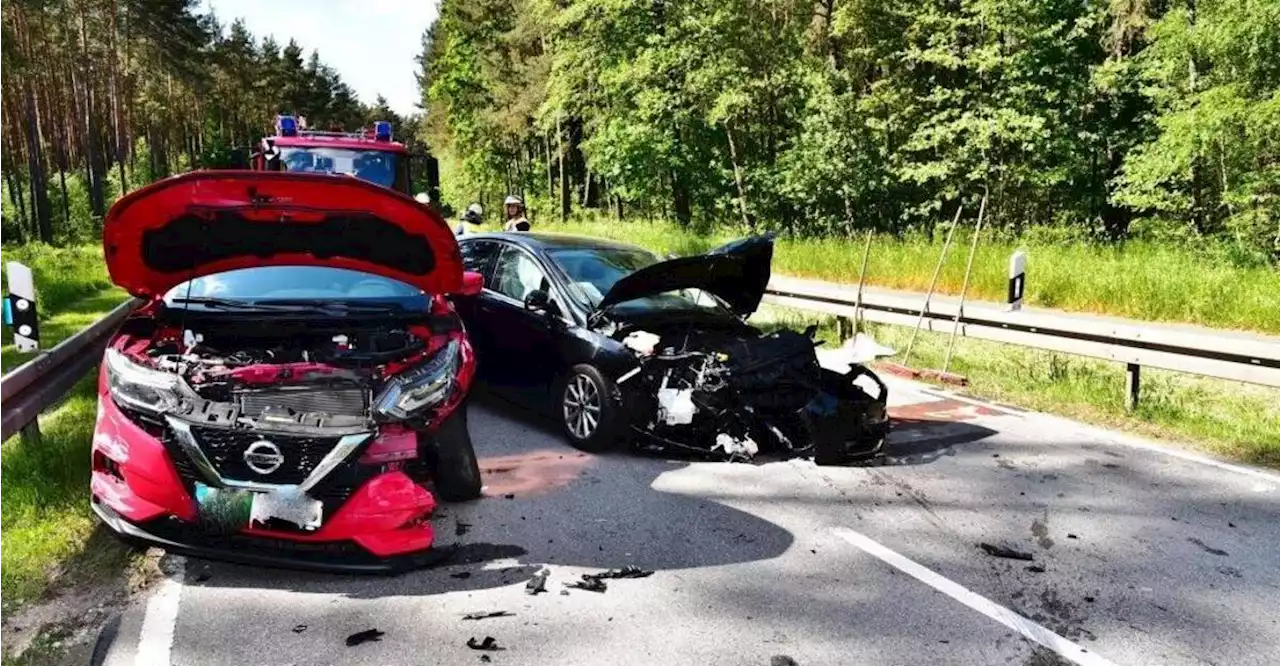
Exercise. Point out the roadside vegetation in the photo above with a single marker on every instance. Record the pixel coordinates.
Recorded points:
(1139, 279)
(1228, 419)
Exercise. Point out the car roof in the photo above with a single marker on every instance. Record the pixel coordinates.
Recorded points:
(547, 241)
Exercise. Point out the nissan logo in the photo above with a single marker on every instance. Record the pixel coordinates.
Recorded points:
(263, 457)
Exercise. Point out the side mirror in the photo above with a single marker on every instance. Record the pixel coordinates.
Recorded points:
(537, 300)
(472, 283)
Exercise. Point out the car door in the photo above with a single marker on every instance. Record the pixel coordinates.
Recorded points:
(525, 343)
(478, 255)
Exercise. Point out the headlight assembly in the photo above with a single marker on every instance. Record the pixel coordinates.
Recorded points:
(140, 388)
(424, 387)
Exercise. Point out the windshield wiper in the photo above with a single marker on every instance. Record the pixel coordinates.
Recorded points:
(231, 304)
(289, 305)
(340, 307)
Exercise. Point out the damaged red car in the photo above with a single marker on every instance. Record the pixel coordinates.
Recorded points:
(292, 389)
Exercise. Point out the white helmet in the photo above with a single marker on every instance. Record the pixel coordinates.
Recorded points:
(513, 199)
(476, 210)
(423, 198)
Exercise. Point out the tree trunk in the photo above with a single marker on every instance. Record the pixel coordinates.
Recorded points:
(566, 197)
(737, 177)
(35, 163)
(680, 200)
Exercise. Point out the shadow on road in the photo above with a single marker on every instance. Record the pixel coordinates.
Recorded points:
(545, 504)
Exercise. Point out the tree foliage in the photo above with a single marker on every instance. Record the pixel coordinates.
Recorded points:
(103, 96)
(825, 116)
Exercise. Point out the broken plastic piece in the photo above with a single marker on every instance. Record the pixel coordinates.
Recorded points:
(537, 584)
(629, 571)
(364, 637)
(675, 406)
(299, 628)
(461, 575)
(736, 448)
(489, 643)
(588, 583)
(1005, 552)
(484, 615)
(641, 342)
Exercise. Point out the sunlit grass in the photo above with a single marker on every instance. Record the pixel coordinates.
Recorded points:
(1139, 279)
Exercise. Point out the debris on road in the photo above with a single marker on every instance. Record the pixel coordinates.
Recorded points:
(1072, 536)
(1006, 552)
(629, 571)
(1036, 568)
(537, 584)
(589, 584)
(460, 528)
(483, 615)
(1207, 548)
(489, 643)
(782, 660)
(299, 628)
(461, 575)
(510, 496)
(365, 636)
(486, 658)
(203, 575)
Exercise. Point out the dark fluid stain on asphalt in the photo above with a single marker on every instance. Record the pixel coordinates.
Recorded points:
(364, 637)
(1207, 548)
(461, 575)
(472, 553)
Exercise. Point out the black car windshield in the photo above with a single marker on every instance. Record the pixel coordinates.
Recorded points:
(375, 166)
(297, 285)
(593, 272)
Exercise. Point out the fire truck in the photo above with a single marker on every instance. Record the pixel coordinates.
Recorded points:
(369, 154)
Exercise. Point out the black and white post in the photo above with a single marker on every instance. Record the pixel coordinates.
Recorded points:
(1017, 279)
(20, 308)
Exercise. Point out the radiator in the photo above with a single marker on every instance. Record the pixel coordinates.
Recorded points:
(333, 401)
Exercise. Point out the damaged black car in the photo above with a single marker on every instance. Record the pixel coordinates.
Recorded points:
(624, 347)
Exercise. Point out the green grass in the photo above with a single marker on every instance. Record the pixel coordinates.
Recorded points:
(1230, 419)
(1139, 280)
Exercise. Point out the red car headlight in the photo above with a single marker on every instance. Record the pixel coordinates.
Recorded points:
(421, 388)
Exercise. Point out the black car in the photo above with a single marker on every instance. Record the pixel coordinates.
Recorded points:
(620, 345)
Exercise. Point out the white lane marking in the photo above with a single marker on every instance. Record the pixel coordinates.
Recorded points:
(155, 641)
(1066, 649)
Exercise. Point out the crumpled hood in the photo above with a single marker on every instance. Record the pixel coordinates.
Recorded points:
(737, 273)
(207, 222)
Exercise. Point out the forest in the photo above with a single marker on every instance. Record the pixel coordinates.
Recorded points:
(1100, 119)
(103, 96)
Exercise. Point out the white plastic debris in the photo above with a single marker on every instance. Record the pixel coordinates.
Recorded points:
(641, 342)
(734, 447)
(860, 350)
(675, 406)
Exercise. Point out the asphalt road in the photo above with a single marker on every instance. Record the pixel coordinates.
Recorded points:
(1141, 555)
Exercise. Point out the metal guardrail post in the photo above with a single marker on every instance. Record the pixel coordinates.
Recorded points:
(1132, 385)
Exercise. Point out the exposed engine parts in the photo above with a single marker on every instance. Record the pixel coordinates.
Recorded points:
(731, 395)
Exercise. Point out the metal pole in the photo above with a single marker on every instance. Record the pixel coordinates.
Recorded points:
(1132, 384)
(964, 287)
(906, 358)
(862, 279)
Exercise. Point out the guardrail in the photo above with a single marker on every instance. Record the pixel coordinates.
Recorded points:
(37, 384)
(1222, 354)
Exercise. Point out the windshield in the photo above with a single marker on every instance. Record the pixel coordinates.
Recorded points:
(375, 166)
(593, 272)
(321, 284)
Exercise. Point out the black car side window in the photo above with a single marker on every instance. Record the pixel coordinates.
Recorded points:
(516, 274)
(478, 256)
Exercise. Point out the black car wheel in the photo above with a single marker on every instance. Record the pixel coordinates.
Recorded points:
(588, 411)
(452, 459)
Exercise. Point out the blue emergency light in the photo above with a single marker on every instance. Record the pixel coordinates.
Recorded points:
(286, 126)
(382, 130)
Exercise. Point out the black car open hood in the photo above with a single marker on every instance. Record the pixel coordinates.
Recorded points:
(737, 273)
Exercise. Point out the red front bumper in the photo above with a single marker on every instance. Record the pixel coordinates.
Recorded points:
(137, 490)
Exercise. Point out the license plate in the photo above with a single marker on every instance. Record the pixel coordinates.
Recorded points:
(291, 505)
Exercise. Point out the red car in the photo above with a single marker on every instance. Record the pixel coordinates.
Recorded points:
(292, 390)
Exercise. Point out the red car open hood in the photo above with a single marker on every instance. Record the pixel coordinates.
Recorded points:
(207, 222)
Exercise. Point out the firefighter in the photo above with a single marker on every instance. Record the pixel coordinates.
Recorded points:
(474, 215)
(516, 221)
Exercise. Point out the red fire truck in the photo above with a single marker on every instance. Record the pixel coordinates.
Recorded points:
(369, 154)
